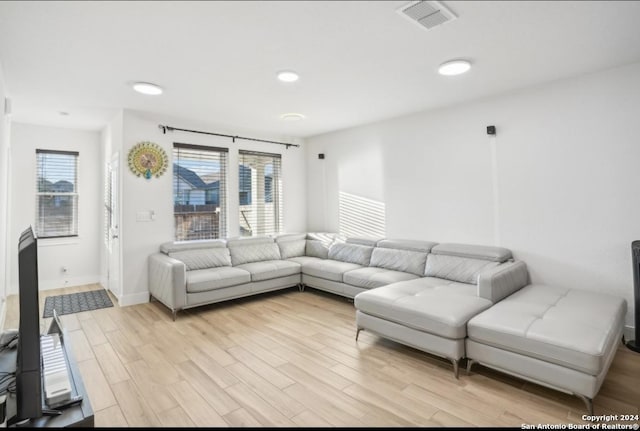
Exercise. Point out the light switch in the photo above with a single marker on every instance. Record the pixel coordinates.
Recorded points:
(145, 216)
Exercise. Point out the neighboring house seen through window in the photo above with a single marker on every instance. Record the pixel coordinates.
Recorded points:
(199, 192)
(260, 193)
(56, 193)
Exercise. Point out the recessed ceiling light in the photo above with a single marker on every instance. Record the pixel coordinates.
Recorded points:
(454, 67)
(63, 113)
(288, 76)
(292, 116)
(147, 88)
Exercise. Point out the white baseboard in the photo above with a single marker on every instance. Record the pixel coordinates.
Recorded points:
(133, 299)
(69, 282)
(629, 332)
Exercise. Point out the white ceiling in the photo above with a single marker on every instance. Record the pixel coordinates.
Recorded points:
(359, 61)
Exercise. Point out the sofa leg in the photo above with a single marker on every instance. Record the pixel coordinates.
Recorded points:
(470, 363)
(588, 402)
(358, 333)
(455, 367)
(174, 313)
(301, 287)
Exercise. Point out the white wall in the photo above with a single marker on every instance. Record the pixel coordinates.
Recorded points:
(4, 196)
(141, 239)
(79, 254)
(561, 191)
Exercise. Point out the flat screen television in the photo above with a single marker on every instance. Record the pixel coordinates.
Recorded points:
(28, 374)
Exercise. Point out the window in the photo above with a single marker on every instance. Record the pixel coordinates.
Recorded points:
(199, 192)
(260, 188)
(57, 193)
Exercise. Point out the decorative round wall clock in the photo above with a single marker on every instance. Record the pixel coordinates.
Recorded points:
(148, 159)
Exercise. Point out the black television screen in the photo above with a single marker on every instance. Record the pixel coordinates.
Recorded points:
(28, 376)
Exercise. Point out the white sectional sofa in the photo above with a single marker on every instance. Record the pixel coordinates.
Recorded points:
(186, 275)
(452, 300)
(564, 339)
(431, 312)
(359, 265)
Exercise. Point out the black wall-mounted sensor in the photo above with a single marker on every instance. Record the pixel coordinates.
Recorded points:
(491, 130)
(321, 156)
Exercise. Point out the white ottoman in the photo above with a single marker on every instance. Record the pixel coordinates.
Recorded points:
(564, 339)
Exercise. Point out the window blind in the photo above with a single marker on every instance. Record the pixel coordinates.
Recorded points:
(56, 193)
(199, 192)
(260, 193)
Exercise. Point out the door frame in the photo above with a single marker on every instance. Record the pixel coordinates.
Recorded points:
(115, 244)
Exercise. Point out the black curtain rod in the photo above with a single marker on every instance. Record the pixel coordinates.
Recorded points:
(171, 129)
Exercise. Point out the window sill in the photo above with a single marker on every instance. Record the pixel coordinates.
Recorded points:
(51, 242)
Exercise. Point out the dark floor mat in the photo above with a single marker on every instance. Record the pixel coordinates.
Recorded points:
(76, 302)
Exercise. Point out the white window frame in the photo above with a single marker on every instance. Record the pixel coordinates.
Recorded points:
(251, 215)
(40, 209)
(185, 195)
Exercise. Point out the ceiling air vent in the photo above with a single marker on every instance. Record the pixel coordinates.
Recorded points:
(427, 14)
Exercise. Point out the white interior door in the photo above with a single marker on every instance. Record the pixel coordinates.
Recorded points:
(113, 198)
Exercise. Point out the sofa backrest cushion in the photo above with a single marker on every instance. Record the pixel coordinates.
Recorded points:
(399, 260)
(295, 248)
(352, 253)
(318, 244)
(369, 242)
(254, 253)
(240, 241)
(456, 268)
(495, 254)
(407, 244)
(317, 248)
(203, 258)
(289, 237)
(170, 247)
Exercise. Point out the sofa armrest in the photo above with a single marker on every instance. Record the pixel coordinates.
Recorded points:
(168, 280)
(503, 280)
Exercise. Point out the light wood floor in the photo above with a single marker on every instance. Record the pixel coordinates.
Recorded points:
(290, 359)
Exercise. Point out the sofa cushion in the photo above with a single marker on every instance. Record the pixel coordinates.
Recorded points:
(431, 305)
(361, 240)
(371, 277)
(407, 244)
(292, 248)
(203, 258)
(317, 248)
(215, 278)
(285, 237)
(328, 269)
(484, 252)
(399, 260)
(270, 269)
(254, 253)
(462, 269)
(304, 259)
(170, 247)
(318, 243)
(249, 240)
(352, 253)
(569, 327)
